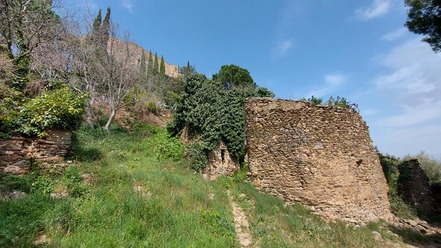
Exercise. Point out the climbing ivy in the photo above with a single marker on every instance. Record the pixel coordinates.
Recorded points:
(211, 113)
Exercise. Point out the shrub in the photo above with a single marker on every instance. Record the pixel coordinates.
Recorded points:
(60, 108)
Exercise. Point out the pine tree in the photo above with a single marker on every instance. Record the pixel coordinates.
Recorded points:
(162, 68)
(142, 65)
(156, 64)
(150, 63)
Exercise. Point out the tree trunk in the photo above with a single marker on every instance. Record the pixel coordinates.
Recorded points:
(111, 117)
(89, 113)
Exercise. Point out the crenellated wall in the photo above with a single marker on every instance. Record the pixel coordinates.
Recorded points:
(319, 155)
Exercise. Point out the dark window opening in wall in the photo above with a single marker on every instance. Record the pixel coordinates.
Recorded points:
(138, 63)
(223, 155)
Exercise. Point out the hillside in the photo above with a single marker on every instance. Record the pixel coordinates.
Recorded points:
(134, 189)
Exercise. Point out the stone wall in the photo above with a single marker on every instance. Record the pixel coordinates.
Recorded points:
(220, 163)
(319, 155)
(135, 60)
(414, 186)
(17, 151)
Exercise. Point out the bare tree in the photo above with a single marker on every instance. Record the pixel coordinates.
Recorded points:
(120, 75)
(25, 25)
(72, 58)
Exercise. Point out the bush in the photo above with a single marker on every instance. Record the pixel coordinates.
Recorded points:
(60, 108)
(198, 155)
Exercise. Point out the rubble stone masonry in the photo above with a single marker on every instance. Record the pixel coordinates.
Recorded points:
(17, 152)
(318, 155)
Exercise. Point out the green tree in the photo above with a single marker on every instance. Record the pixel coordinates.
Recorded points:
(105, 28)
(97, 23)
(156, 64)
(187, 71)
(211, 113)
(233, 76)
(424, 17)
(142, 65)
(26, 25)
(150, 63)
(162, 67)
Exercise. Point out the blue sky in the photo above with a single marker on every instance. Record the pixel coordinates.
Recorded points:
(356, 49)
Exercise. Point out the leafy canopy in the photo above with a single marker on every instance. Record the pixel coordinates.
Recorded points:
(424, 17)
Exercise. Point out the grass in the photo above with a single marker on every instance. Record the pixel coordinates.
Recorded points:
(134, 189)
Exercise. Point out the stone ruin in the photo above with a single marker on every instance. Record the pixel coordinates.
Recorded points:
(17, 152)
(220, 163)
(318, 155)
(415, 188)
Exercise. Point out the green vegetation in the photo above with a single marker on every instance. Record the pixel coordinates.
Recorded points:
(60, 108)
(424, 17)
(398, 206)
(134, 189)
(337, 102)
(212, 111)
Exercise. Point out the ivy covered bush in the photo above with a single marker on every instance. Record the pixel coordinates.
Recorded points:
(213, 111)
(60, 109)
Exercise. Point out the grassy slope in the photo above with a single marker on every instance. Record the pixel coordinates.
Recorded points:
(173, 207)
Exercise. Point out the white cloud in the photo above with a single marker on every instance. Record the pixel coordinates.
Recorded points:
(376, 9)
(394, 35)
(414, 78)
(411, 140)
(128, 4)
(412, 84)
(282, 48)
(332, 82)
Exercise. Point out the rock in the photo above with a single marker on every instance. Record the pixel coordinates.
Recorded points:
(242, 197)
(210, 196)
(377, 235)
(16, 194)
(13, 169)
(59, 195)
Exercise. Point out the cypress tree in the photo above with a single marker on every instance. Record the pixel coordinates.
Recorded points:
(142, 65)
(97, 23)
(156, 64)
(150, 63)
(105, 28)
(162, 68)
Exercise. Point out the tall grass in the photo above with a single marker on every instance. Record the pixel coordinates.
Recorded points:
(140, 192)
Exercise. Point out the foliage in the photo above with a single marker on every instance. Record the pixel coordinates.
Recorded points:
(162, 67)
(60, 108)
(424, 17)
(234, 76)
(429, 164)
(166, 147)
(390, 168)
(213, 113)
(187, 71)
(140, 201)
(313, 100)
(337, 102)
(42, 185)
(198, 155)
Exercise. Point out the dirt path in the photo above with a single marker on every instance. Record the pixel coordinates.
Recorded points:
(241, 224)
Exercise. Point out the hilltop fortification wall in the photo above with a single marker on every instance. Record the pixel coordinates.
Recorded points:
(319, 155)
